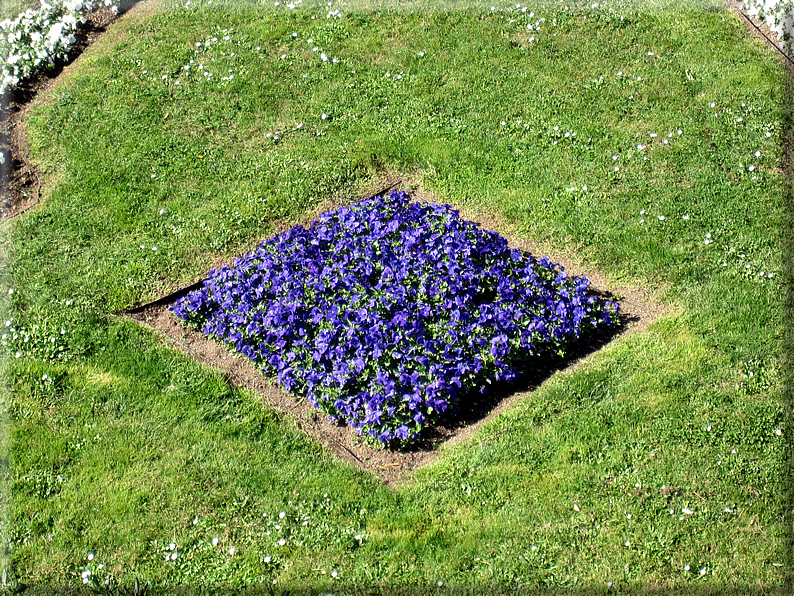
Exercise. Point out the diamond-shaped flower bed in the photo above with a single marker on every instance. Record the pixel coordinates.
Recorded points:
(385, 313)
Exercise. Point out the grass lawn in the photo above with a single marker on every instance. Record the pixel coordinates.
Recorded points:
(645, 141)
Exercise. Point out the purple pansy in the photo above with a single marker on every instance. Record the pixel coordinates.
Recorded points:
(385, 313)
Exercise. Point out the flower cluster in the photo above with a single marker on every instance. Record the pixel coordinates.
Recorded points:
(36, 38)
(387, 312)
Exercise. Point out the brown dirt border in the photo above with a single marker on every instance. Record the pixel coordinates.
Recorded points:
(396, 466)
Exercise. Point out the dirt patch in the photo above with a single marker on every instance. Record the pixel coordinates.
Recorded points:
(395, 466)
(20, 186)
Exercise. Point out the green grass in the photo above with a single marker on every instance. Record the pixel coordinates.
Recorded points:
(11, 9)
(127, 445)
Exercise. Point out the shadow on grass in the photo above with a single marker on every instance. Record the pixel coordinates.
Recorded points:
(474, 407)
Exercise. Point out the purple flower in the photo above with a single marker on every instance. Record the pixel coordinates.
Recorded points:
(386, 312)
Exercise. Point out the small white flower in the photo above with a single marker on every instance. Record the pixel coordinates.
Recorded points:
(687, 511)
(686, 567)
(617, 168)
(174, 555)
(576, 508)
(703, 571)
(679, 131)
(10, 291)
(778, 432)
(154, 249)
(758, 154)
(171, 546)
(215, 541)
(324, 116)
(713, 104)
(266, 559)
(162, 211)
(653, 135)
(154, 175)
(503, 123)
(282, 514)
(439, 583)
(728, 510)
(334, 574)
(661, 218)
(232, 550)
(628, 543)
(620, 73)
(685, 217)
(650, 53)
(282, 542)
(768, 134)
(90, 555)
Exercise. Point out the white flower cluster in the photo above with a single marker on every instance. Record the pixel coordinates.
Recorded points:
(779, 17)
(37, 37)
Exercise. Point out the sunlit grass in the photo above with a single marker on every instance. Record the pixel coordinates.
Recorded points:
(646, 147)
